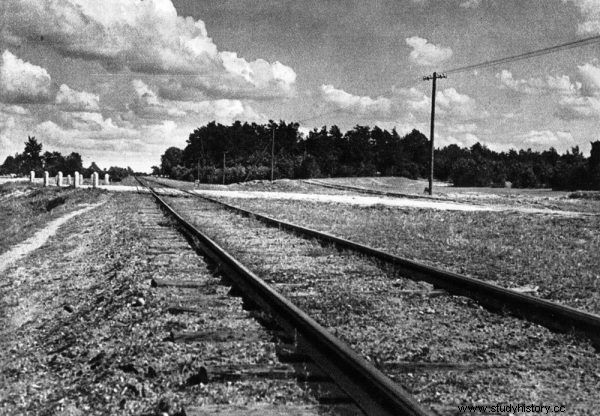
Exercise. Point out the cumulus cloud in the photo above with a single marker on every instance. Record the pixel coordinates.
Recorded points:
(529, 86)
(22, 82)
(355, 103)
(414, 99)
(578, 107)
(470, 4)
(411, 103)
(222, 111)
(72, 100)
(591, 78)
(145, 36)
(449, 103)
(114, 145)
(461, 139)
(16, 110)
(561, 84)
(86, 121)
(545, 138)
(149, 105)
(584, 102)
(590, 14)
(425, 53)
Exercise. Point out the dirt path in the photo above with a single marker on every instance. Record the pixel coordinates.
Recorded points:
(35, 242)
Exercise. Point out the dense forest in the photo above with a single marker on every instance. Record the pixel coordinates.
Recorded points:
(245, 149)
(32, 159)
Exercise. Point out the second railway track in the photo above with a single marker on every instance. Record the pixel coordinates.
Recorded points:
(445, 350)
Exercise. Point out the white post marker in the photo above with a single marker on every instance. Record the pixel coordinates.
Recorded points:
(46, 178)
(31, 176)
(76, 182)
(69, 180)
(59, 179)
(81, 179)
(95, 179)
(106, 179)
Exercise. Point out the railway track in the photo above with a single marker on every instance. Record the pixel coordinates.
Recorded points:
(236, 357)
(435, 346)
(550, 314)
(372, 191)
(372, 391)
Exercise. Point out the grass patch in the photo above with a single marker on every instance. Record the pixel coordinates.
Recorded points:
(592, 195)
(26, 208)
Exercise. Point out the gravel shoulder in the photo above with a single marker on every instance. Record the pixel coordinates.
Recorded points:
(82, 332)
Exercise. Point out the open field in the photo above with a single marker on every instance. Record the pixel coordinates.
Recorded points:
(416, 186)
(281, 185)
(26, 208)
(547, 198)
(413, 189)
(558, 254)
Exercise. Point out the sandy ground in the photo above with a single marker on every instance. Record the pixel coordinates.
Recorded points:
(358, 200)
(386, 201)
(37, 240)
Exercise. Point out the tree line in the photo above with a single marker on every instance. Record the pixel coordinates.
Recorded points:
(32, 159)
(245, 151)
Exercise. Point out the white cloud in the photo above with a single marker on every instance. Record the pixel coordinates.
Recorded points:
(427, 54)
(462, 140)
(14, 110)
(584, 101)
(530, 86)
(23, 82)
(112, 145)
(145, 36)
(414, 99)
(87, 121)
(355, 103)
(590, 13)
(470, 4)
(73, 100)
(462, 128)
(147, 104)
(545, 138)
(411, 104)
(222, 111)
(591, 78)
(561, 84)
(573, 108)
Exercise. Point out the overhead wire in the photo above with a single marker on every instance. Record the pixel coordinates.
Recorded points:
(527, 55)
(495, 62)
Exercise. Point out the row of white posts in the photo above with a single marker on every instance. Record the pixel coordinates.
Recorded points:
(77, 181)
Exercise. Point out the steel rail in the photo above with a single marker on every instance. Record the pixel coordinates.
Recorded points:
(369, 388)
(550, 314)
(372, 191)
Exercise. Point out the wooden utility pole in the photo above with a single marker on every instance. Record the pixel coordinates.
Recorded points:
(272, 153)
(224, 168)
(433, 78)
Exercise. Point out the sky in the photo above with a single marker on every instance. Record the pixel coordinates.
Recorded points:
(120, 81)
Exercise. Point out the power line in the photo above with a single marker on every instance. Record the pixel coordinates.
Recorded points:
(527, 55)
